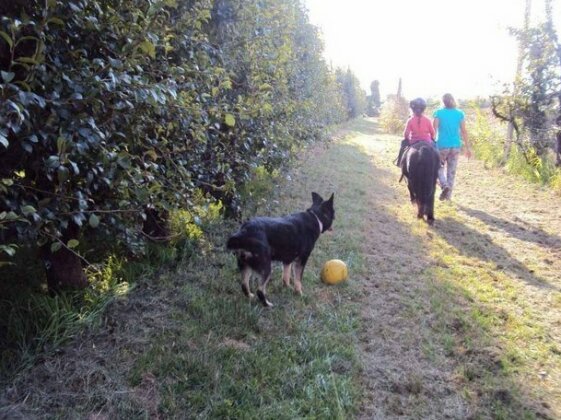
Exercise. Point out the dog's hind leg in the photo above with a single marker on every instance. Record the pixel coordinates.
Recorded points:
(286, 271)
(246, 275)
(299, 266)
(262, 289)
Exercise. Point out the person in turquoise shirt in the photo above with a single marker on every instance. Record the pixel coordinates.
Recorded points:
(451, 134)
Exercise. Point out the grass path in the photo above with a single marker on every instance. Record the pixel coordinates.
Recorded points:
(459, 320)
(463, 319)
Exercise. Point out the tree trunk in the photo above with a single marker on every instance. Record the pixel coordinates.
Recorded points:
(558, 147)
(555, 40)
(519, 64)
(156, 225)
(64, 267)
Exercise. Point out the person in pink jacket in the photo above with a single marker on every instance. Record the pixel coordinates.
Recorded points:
(418, 127)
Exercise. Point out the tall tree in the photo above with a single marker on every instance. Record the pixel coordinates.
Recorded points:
(518, 75)
(374, 101)
(552, 33)
(354, 96)
(529, 106)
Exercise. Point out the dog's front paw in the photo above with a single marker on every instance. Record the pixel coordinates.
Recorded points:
(299, 292)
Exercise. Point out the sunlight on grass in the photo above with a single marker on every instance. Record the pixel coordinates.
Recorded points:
(229, 357)
(484, 319)
(499, 315)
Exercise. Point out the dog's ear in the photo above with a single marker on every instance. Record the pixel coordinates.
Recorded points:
(329, 203)
(316, 199)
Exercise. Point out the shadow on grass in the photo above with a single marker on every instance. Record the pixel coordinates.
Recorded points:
(522, 231)
(402, 321)
(187, 343)
(472, 243)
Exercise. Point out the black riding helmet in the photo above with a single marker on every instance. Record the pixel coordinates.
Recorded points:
(418, 105)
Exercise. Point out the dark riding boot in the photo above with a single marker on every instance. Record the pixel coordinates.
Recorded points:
(404, 144)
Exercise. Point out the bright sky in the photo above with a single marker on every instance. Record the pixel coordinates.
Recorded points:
(435, 46)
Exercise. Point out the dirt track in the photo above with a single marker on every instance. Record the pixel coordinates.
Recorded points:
(495, 224)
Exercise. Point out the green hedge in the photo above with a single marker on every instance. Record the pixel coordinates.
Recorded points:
(109, 108)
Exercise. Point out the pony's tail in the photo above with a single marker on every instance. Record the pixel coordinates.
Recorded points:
(424, 176)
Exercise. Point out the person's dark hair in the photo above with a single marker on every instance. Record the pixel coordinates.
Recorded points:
(449, 101)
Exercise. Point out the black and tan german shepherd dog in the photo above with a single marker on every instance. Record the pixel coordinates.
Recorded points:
(289, 239)
(420, 166)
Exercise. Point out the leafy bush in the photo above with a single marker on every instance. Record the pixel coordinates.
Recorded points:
(354, 98)
(488, 139)
(112, 112)
(394, 115)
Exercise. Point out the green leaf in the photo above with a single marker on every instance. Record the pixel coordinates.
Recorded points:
(152, 154)
(60, 145)
(27, 60)
(53, 161)
(56, 21)
(229, 120)
(148, 48)
(55, 246)
(5, 263)
(23, 84)
(27, 210)
(7, 76)
(27, 38)
(73, 243)
(7, 38)
(62, 173)
(10, 250)
(94, 221)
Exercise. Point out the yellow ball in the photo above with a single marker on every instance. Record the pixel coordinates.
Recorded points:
(334, 272)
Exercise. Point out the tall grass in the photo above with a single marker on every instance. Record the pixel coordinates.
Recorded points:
(35, 323)
(488, 138)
